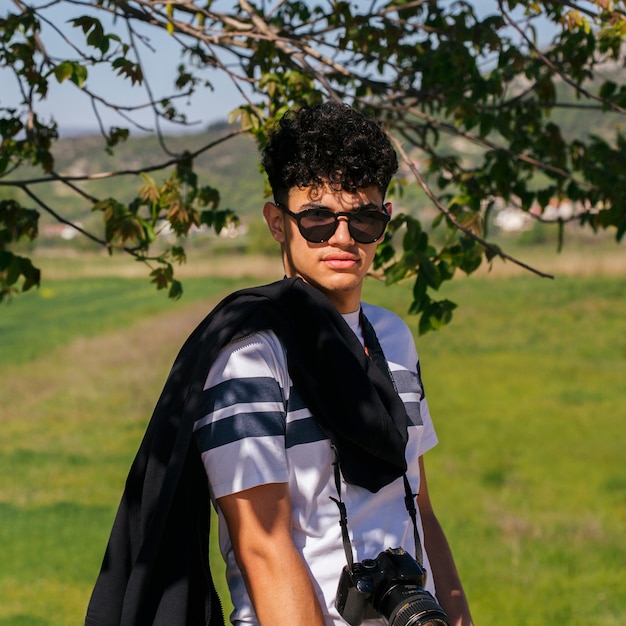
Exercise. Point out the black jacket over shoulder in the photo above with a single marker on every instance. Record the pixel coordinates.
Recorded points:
(156, 567)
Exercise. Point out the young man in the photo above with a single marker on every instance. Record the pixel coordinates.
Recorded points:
(273, 481)
(307, 409)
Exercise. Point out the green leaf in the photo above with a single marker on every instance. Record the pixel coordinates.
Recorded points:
(431, 273)
(395, 272)
(436, 315)
(63, 71)
(420, 289)
(71, 70)
(128, 69)
(176, 290)
(80, 74)
(13, 268)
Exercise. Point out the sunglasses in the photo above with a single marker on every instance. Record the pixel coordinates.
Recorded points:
(318, 224)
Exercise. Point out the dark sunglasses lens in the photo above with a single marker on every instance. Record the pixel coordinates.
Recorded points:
(317, 226)
(368, 226)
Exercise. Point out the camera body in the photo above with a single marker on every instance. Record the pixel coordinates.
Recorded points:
(390, 586)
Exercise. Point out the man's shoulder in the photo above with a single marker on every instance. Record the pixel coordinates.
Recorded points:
(394, 335)
(259, 341)
(380, 317)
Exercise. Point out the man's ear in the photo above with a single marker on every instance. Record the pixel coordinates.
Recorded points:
(275, 221)
(388, 207)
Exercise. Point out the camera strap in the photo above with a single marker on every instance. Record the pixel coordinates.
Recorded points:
(409, 503)
(343, 517)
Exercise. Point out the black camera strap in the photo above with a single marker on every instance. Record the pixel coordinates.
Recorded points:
(343, 517)
(409, 503)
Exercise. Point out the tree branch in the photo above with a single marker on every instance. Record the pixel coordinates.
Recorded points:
(128, 172)
(496, 251)
(554, 68)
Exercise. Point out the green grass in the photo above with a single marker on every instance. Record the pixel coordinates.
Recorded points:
(62, 310)
(525, 386)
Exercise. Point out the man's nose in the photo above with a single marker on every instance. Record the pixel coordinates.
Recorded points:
(342, 234)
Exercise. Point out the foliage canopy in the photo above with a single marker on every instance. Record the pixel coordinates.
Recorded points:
(442, 76)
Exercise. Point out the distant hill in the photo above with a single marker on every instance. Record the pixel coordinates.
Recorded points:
(232, 166)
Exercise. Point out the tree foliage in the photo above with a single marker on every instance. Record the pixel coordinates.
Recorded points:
(432, 70)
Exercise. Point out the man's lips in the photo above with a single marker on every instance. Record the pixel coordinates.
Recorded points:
(341, 262)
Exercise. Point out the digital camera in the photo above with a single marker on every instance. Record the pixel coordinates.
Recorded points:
(389, 586)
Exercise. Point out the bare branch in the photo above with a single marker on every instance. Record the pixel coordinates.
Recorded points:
(127, 172)
(59, 218)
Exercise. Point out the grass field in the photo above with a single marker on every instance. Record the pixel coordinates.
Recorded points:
(526, 388)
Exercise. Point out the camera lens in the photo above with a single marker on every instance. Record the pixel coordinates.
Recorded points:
(410, 605)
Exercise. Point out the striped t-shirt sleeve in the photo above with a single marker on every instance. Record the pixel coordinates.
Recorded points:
(240, 430)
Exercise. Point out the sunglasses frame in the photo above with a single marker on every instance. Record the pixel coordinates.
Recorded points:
(349, 215)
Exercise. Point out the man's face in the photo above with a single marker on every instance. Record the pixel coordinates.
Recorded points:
(338, 265)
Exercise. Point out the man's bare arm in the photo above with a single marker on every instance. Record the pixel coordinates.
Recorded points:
(447, 581)
(278, 581)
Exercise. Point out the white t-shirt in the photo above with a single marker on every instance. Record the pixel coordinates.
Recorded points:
(256, 430)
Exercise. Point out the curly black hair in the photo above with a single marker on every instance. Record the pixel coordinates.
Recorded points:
(328, 144)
